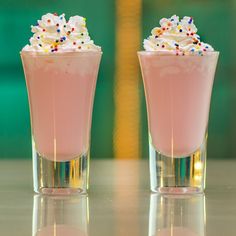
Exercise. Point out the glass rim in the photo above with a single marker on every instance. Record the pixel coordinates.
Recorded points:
(171, 53)
(59, 54)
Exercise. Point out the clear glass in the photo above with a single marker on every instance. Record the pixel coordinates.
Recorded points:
(61, 91)
(177, 215)
(60, 215)
(178, 93)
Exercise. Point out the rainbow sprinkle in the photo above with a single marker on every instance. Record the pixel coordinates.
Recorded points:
(178, 36)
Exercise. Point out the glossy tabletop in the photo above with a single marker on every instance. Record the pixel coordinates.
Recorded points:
(119, 203)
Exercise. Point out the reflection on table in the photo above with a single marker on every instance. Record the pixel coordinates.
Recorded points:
(175, 215)
(119, 203)
(60, 216)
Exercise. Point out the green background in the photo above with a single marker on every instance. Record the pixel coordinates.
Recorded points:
(214, 18)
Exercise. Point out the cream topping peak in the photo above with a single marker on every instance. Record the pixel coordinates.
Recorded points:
(178, 36)
(54, 34)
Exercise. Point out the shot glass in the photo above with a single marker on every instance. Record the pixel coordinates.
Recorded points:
(61, 90)
(178, 93)
(60, 215)
(177, 215)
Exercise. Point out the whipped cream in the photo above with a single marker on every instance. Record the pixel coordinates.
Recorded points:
(178, 36)
(54, 34)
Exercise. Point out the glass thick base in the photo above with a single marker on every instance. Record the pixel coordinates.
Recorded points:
(178, 175)
(60, 178)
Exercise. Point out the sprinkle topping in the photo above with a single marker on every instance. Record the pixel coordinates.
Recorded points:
(178, 36)
(54, 34)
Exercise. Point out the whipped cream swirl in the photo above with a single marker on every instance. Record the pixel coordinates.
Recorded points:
(178, 36)
(54, 34)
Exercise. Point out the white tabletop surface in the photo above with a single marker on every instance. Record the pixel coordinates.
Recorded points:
(119, 203)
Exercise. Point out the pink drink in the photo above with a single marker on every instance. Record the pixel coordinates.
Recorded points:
(61, 91)
(178, 91)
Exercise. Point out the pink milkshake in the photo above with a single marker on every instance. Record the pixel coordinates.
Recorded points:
(178, 91)
(61, 91)
(178, 73)
(61, 66)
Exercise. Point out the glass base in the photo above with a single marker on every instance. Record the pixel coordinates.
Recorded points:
(60, 178)
(178, 175)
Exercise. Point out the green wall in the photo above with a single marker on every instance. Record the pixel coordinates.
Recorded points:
(214, 18)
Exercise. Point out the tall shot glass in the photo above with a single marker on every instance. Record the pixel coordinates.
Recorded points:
(61, 91)
(178, 93)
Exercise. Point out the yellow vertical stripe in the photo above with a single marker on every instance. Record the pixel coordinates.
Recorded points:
(127, 104)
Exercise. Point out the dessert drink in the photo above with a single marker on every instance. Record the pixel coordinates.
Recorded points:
(178, 73)
(179, 91)
(61, 66)
(61, 90)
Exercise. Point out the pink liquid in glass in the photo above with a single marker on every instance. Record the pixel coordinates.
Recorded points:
(61, 91)
(178, 92)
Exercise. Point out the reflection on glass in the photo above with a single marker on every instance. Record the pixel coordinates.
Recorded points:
(60, 216)
(177, 215)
